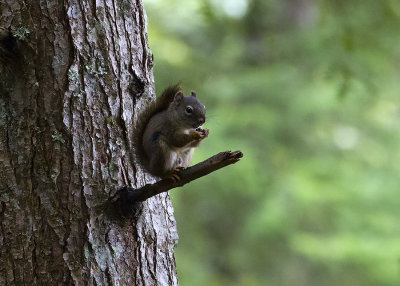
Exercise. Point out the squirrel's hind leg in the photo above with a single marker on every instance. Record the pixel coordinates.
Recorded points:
(157, 161)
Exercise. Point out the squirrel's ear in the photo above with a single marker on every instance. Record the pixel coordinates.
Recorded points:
(178, 97)
(193, 94)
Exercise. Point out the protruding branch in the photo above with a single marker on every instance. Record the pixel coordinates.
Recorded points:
(218, 161)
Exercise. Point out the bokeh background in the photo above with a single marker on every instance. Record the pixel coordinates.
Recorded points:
(309, 90)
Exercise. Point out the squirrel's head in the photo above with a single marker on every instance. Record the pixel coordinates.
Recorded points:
(188, 110)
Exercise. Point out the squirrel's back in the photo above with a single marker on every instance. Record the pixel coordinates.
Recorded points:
(160, 104)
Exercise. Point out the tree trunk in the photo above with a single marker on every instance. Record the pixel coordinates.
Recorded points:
(68, 102)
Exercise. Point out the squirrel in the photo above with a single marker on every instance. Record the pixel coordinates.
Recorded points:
(167, 132)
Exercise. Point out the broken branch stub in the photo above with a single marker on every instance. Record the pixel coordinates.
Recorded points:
(129, 195)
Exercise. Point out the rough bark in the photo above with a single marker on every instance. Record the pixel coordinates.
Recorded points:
(67, 107)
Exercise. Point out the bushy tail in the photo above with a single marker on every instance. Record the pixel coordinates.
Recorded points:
(160, 104)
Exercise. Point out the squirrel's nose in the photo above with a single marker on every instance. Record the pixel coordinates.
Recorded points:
(202, 120)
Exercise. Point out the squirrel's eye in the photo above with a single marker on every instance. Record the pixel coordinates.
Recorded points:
(189, 109)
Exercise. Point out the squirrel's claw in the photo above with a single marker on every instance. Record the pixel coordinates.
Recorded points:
(173, 175)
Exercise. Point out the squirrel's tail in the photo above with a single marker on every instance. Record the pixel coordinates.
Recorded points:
(160, 104)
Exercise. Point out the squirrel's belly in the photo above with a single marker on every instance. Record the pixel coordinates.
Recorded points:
(181, 158)
(170, 160)
(187, 157)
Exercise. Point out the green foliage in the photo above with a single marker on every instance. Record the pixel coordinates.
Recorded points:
(308, 90)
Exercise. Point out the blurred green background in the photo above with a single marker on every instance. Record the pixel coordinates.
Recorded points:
(309, 91)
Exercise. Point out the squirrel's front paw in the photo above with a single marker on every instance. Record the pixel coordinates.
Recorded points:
(203, 133)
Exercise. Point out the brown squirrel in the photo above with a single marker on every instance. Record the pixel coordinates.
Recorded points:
(168, 131)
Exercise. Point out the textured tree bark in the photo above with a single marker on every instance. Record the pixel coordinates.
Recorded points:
(67, 107)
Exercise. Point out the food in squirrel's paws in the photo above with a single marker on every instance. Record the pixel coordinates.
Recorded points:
(204, 132)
